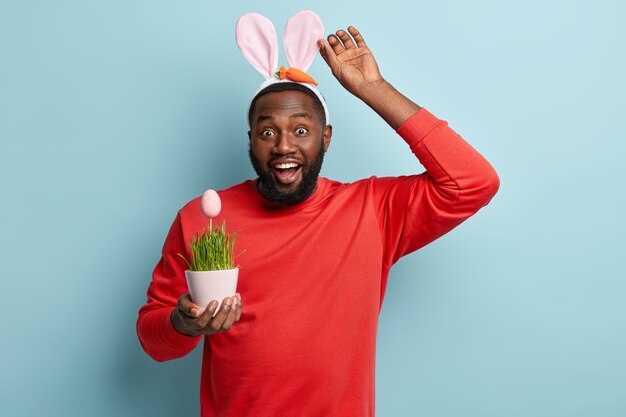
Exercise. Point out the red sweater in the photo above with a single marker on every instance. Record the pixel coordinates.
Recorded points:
(312, 280)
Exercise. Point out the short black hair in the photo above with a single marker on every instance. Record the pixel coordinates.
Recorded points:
(288, 86)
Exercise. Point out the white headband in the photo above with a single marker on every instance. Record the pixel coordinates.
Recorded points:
(257, 40)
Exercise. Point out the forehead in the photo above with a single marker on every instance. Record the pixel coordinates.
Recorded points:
(284, 103)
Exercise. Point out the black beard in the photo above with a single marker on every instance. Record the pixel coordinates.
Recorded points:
(310, 173)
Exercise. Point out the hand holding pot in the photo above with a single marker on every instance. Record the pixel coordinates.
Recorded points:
(190, 320)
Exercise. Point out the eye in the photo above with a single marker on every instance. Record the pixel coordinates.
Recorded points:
(267, 132)
(302, 131)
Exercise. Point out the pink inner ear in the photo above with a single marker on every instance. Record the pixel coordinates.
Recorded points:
(257, 40)
(302, 32)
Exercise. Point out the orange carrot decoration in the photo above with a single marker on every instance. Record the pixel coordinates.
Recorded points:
(282, 73)
(294, 74)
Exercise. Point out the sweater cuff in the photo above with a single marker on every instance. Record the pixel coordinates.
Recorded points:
(418, 126)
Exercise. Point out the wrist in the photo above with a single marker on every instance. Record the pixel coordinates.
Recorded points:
(389, 103)
(177, 323)
(372, 90)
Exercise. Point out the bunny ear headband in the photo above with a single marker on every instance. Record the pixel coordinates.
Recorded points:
(256, 37)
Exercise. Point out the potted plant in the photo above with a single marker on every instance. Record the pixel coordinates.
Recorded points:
(212, 274)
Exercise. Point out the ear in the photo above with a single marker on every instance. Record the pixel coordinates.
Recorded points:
(328, 133)
(302, 32)
(249, 135)
(256, 38)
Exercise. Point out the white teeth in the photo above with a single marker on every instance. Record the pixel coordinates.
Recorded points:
(285, 166)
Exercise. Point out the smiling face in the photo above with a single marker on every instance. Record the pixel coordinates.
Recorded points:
(287, 145)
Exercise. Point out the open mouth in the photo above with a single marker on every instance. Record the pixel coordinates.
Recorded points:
(287, 173)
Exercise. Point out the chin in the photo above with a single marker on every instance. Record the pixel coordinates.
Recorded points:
(287, 195)
(288, 188)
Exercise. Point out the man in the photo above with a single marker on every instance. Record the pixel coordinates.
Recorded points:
(318, 252)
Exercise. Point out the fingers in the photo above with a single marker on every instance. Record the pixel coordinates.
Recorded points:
(334, 43)
(206, 316)
(240, 307)
(341, 40)
(345, 38)
(360, 42)
(225, 318)
(233, 315)
(187, 307)
(328, 54)
(220, 317)
(186, 315)
(208, 322)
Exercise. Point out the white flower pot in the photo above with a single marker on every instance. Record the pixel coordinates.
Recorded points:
(205, 286)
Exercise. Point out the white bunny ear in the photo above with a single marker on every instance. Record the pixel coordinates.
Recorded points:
(256, 37)
(302, 32)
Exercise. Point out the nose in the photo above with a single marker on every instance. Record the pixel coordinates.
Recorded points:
(284, 145)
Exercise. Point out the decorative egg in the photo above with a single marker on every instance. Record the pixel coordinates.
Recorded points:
(210, 204)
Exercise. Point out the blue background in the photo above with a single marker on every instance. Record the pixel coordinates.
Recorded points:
(114, 114)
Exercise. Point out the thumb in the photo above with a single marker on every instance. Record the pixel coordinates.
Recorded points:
(188, 307)
(328, 54)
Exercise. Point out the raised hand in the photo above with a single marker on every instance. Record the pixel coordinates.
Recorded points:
(354, 66)
(351, 61)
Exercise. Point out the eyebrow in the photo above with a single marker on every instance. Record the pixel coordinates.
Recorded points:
(293, 116)
(299, 115)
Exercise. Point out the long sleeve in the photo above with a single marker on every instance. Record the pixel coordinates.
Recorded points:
(415, 210)
(157, 335)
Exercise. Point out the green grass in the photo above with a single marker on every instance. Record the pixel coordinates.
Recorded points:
(213, 250)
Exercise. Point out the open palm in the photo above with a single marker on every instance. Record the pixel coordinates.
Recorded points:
(350, 61)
